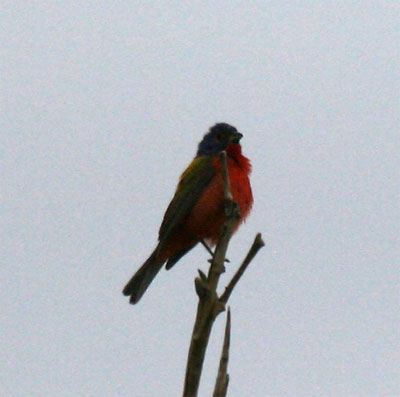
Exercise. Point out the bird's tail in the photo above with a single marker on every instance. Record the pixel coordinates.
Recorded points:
(141, 280)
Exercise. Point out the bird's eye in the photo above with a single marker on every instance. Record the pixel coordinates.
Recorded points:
(219, 136)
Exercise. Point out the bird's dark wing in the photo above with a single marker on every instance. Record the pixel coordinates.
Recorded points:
(190, 187)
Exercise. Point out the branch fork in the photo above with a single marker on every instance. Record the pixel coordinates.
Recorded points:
(210, 304)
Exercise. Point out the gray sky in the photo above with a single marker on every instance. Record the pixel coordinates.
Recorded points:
(103, 104)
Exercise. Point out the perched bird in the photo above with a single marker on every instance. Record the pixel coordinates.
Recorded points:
(197, 212)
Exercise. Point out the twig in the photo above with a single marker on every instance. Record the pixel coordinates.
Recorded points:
(258, 243)
(222, 381)
(225, 176)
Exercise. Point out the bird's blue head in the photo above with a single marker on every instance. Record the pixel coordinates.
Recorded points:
(218, 138)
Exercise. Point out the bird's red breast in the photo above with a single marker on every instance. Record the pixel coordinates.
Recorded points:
(208, 214)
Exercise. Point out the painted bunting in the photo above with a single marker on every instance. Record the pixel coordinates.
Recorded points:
(196, 212)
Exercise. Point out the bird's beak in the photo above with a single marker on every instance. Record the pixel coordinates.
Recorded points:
(236, 137)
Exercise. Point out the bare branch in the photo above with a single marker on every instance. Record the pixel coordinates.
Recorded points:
(258, 243)
(232, 217)
(209, 305)
(222, 381)
(225, 175)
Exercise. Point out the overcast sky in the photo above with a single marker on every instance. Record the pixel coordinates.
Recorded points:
(103, 104)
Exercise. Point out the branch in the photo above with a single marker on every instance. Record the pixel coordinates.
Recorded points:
(222, 381)
(209, 306)
(232, 217)
(225, 175)
(258, 243)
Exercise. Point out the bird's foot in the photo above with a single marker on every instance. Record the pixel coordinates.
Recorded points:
(210, 251)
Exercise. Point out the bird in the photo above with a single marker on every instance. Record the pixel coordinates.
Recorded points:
(196, 212)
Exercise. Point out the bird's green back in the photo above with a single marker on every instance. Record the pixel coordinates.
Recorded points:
(191, 185)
